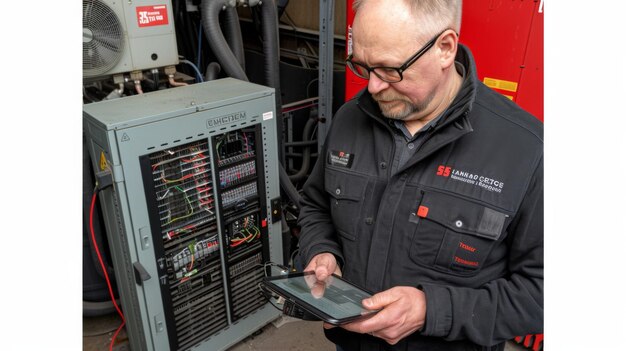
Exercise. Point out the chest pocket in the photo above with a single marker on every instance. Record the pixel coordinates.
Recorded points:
(455, 235)
(346, 199)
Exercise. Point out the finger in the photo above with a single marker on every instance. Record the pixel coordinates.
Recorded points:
(326, 264)
(321, 271)
(366, 326)
(317, 291)
(380, 300)
(328, 326)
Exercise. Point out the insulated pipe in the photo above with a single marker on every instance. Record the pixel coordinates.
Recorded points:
(170, 79)
(306, 156)
(232, 33)
(210, 12)
(269, 26)
(212, 71)
(138, 86)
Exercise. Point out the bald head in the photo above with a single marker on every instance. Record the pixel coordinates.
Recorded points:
(425, 17)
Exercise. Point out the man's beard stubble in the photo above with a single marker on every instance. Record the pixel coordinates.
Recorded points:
(408, 107)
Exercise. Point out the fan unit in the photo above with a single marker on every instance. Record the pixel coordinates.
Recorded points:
(125, 36)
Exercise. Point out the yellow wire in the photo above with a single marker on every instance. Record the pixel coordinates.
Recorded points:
(190, 207)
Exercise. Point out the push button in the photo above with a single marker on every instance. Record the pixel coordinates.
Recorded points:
(383, 165)
(458, 223)
(338, 191)
(369, 220)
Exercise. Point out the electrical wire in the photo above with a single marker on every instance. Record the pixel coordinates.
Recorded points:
(106, 275)
(199, 75)
(193, 255)
(268, 295)
(264, 291)
(167, 181)
(199, 44)
(188, 202)
(217, 148)
(291, 259)
(246, 141)
(194, 158)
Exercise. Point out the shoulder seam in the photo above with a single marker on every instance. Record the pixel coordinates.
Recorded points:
(511, 120)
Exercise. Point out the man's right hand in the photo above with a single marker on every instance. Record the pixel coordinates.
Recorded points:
(324, 265)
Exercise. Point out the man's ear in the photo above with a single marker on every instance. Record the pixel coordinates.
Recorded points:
(447, 45)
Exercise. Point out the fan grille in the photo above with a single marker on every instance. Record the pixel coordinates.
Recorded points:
(102, 38)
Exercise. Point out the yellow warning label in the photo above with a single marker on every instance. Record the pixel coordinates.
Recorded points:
(103, 161)
(500, 84)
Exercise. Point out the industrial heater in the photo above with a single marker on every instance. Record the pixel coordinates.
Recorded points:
(189, 191)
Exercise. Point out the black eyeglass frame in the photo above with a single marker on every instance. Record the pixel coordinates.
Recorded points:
(400, 69)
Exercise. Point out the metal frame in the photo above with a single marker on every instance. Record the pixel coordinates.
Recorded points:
(325, 83)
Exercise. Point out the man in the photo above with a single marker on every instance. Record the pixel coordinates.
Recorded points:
(428, 192)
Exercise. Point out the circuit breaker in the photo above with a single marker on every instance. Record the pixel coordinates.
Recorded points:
(189, 214)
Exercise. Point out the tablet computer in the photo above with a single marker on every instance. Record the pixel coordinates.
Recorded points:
(335, 301)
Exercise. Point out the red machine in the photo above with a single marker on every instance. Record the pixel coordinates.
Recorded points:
(506, 38)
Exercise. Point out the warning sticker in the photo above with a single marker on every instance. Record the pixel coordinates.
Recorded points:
(500, 84)
(103, 161)
(148, 16)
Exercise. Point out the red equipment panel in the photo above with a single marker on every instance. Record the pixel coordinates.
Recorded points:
(506, 38)
(353, 83)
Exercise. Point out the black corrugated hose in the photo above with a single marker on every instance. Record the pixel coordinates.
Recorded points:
(269, 27)
(210, 11)
(232, 34)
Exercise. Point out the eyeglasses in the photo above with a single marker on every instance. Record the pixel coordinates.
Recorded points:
(389, 74)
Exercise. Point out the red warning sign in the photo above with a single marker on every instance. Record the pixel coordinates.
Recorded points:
(148, 16)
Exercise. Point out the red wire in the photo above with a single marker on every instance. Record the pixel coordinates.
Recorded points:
(106, 275)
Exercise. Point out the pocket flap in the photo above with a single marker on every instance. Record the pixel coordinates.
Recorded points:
(462, 215)
(344, 187)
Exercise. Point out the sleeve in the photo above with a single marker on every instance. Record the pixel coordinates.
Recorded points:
(505, 307)
(317, 232)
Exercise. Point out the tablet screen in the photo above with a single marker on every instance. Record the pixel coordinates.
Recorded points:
(341, 300)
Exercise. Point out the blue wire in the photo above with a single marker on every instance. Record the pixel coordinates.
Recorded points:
(199, 75)
(199, 43)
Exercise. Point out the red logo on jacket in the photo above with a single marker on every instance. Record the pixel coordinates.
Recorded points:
(443, 171)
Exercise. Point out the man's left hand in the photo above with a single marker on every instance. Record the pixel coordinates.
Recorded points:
(403, 311)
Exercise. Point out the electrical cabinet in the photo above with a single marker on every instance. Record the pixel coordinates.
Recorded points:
(192, 216)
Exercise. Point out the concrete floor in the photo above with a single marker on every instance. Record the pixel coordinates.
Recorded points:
(291, 334)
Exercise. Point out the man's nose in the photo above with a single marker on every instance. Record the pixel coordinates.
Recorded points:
(375, 84)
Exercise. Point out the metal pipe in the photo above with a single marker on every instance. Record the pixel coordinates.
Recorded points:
(174, 83)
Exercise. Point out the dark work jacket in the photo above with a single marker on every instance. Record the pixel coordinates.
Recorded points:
(462, 219)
